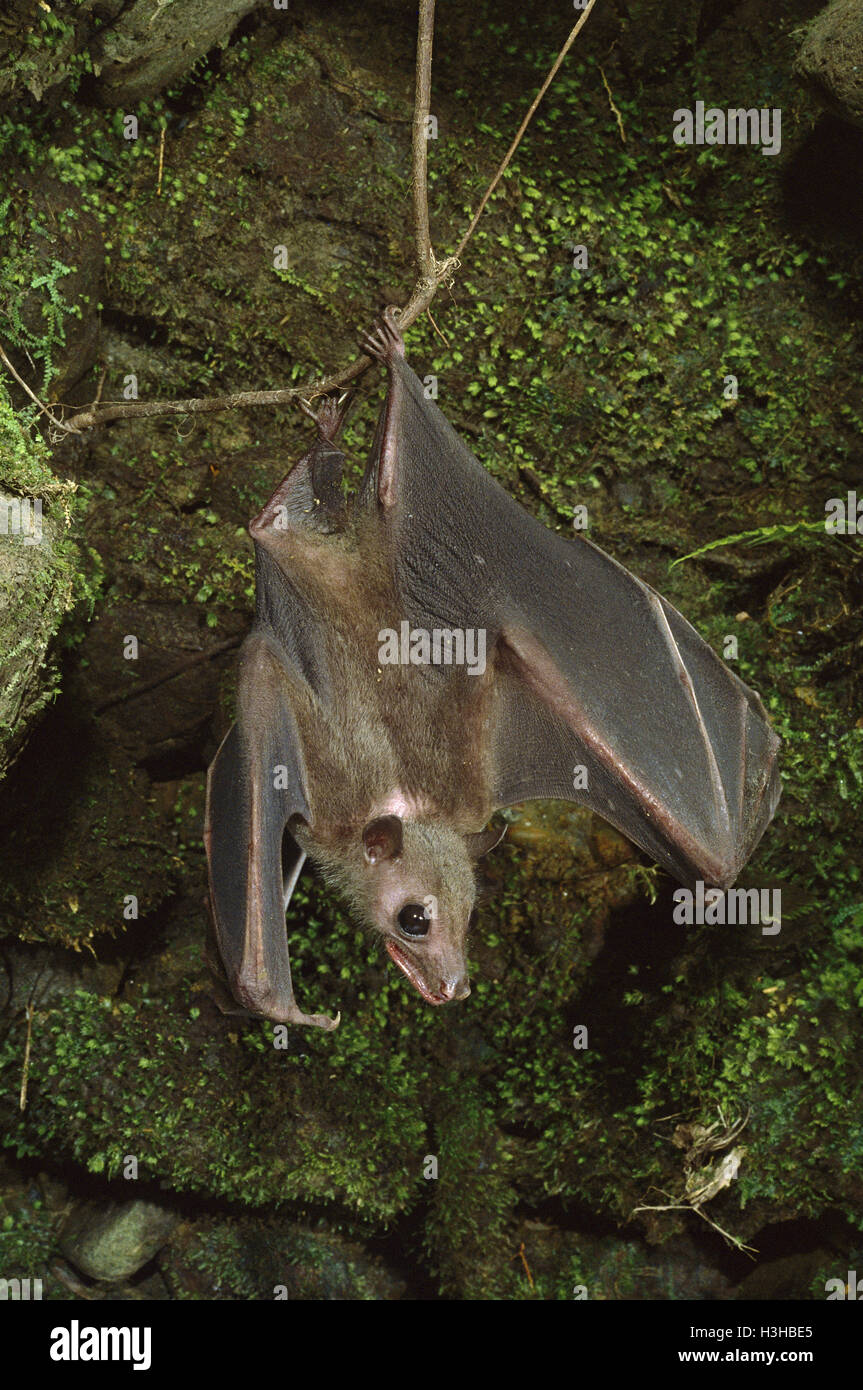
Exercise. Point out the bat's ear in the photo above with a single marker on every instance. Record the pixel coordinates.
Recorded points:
(382, 839)
(480, 844)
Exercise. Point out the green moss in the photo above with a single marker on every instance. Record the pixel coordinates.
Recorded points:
(788, 1053)
(25, 459)
(225, 1115)
(28, 1243)
(471, 1219)
(35, 307)
(265, 1260)
(43, 52)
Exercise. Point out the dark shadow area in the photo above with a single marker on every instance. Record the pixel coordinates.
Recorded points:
(822, 189)
(640, 948)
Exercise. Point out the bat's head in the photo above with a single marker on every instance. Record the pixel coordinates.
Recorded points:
(418, 891)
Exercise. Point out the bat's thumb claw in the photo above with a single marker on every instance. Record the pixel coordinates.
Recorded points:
(318, 1020)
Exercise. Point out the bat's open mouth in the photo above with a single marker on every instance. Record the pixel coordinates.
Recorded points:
(416, 979)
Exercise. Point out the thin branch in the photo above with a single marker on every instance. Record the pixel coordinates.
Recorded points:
(161, 162)
(66, 428)
(617, 114)
(422, 102)
(523, 1257)
(732, 1240)
(25, 1070)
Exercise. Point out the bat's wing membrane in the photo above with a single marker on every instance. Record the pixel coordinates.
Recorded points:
(662, 741)
(257, 780)
(605, 694)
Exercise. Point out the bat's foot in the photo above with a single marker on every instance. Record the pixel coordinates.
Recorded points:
(283, 1009)
(329, 415)
(315, 1020)
(227, 1005)
(291, 1013)
(384, 341)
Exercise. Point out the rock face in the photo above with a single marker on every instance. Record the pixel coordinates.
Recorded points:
(113, 1242)
(36, 579)
(830, 61)
(133, 51)
(153, 44)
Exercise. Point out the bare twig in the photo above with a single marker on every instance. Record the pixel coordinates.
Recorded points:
(523, 1258)
(617, 114)
(65, 428)
(100, 414)
(161, 162)
(422, 103)
(25, 1071)
(732, 1240)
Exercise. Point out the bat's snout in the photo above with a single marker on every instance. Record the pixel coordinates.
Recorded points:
(454, 989)
(442, 990)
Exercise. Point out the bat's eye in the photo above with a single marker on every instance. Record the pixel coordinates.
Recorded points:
(413, 920)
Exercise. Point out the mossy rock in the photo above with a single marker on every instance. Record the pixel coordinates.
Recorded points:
(830, 61)
(37, 578)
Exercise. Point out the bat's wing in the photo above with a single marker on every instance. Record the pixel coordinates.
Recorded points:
(603, 694)
(257, 780)
(255, 784)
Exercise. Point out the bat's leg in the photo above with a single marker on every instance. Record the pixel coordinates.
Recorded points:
(384, 342)
(326, 461)
(309, 497)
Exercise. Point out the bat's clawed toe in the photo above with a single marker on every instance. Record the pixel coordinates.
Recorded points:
(384, 340)
(329, 414)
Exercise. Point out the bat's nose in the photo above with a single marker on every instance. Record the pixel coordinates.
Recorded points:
(455, 988)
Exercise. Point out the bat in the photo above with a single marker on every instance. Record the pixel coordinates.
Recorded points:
(429, 654)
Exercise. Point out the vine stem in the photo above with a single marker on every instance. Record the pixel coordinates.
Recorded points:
(552, 73)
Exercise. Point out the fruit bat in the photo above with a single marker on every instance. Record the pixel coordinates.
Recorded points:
(432, 653)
